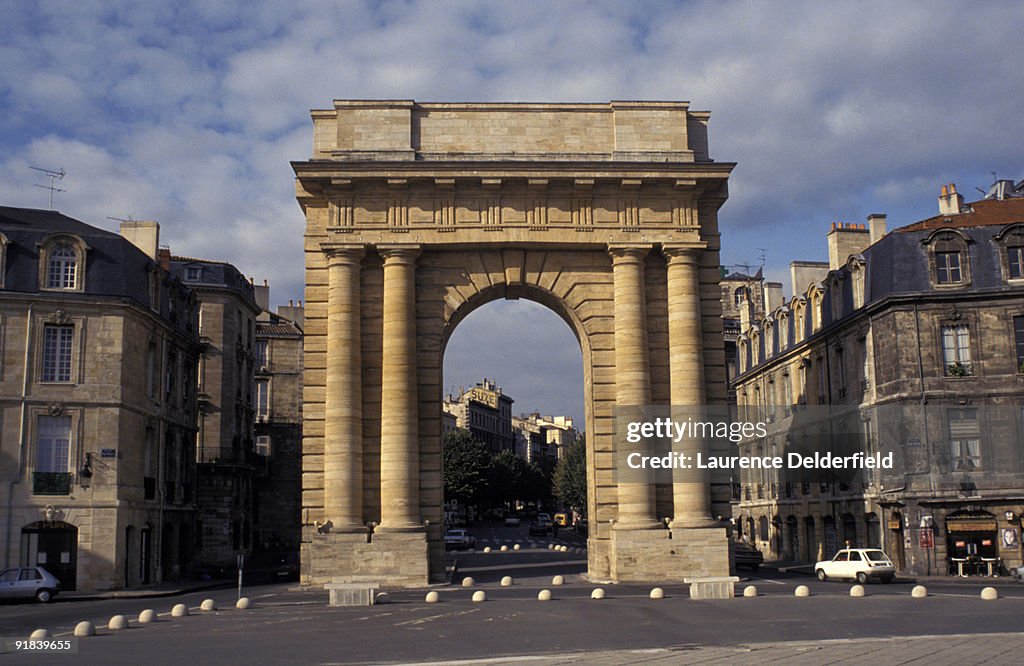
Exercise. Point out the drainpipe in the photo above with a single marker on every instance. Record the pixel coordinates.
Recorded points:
(21, 435)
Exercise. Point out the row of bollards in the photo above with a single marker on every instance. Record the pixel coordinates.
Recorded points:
(121, 622)
(551, 546)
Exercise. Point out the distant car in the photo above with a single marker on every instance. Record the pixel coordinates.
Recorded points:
(541, 528)
(28, 582)
(511, 521)
(862, 564)
(544, 516)
(746, 555)
(459, 538)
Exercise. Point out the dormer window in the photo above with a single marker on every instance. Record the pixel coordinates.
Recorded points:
(947, 267)
(1015, 261)
(193, 273)
(63, 267)
(1010, 242)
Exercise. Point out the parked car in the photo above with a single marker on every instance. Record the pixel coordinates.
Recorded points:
(28, 582)
(541, 528)
(862, 564)
(511, 521)
(544, 516)
(459, 538)
(746, 555)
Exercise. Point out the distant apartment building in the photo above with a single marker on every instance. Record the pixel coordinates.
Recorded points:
(98, 359)
(909, 343)
(543, 438)
(486, 412)
(278, 426)
(225, 450)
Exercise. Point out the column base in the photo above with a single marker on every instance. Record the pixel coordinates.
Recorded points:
(669, 556)
(694, 523)
(389, 560)
(639, 525)
(399, 529)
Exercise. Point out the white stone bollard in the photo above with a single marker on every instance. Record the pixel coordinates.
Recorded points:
(506, 581)
(504, 549)
(598, 593)
(564, 549)
(179, 610)
(208, 605)
(382, 598)
(750, 591)
(147, 616)
(544, 595)
(243, 604)
(85, 628)
(802, 591)
(39, 634)
(990, 594)
(516, 547)
(657, 593)
(551, 546)
(919, 592)
(432, 597)
(558, 580)
(468, 581)
(487, 549)
(479, 596)
(858, 591)
(117, 623)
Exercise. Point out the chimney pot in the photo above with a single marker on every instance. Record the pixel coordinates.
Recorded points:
(944, 191)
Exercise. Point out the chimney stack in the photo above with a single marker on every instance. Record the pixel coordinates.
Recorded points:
(143, 234)
(772, 296)
(844, 240)
(163, 257)
(877, 226)
(950, 203)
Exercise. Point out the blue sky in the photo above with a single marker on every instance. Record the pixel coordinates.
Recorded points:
(189, 113)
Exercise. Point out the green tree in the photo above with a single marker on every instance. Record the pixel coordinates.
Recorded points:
(507, 475)
(570, 478)
(466, 466)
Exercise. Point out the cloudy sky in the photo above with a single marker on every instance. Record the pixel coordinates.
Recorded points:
(189, 113)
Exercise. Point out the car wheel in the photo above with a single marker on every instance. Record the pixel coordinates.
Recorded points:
(862, 577)
(821, 575)
(43, 596)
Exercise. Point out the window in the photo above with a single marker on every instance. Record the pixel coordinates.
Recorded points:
(63, 267)
(57, 340)
(956, 351)
(53, 453)
(1015, 261)
(947, 268)
(964, 439)
(740, 296)
(1018, 339)
(193, 273)
(262, 399)
(261, 353)
(171, 376)
(263, 445)
(152, 372)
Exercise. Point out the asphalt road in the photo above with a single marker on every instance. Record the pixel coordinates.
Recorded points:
(286, 627)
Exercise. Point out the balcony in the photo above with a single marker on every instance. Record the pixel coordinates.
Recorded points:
(51, 483)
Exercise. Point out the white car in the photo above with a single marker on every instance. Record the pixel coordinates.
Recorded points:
(861, 564)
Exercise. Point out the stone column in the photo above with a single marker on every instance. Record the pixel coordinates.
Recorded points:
(691, 491)
(343, 422)
(632, 372)
(399, 429)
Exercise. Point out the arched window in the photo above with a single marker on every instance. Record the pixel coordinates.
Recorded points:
(741, 296)
(949, 258)
(1011, 251)
(63, 267)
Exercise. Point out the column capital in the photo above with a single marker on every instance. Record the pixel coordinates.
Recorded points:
(628, 252)
(343, 253)
(405, 253)
(683, 253)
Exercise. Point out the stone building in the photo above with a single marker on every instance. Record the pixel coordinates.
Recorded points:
(417, 214)
(543, 438)
(912, 344)
(98, 359)
(486, 412)
(278, 428)
(225, 450)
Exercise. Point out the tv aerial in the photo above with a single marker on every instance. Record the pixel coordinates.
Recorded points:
(54, 176)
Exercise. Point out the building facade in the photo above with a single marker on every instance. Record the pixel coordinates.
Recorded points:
(97, 403)
(543, 438)
(486, 412)
(225, 450)
(912, 345)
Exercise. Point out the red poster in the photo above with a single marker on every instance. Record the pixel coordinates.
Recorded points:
(926, 539)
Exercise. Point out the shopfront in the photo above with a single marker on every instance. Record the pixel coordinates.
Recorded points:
(972, 543)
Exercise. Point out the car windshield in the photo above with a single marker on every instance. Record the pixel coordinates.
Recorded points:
(877, 556)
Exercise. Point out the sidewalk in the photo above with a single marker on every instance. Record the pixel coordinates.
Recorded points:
(150, 591)
(807, 569)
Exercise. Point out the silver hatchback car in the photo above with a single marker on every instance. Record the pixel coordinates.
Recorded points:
(27, 582)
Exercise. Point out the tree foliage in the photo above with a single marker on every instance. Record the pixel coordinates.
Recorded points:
(467, 465)
(570, 478)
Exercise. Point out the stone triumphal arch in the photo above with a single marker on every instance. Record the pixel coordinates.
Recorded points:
(418, 213)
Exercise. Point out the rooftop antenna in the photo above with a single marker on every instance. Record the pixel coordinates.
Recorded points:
(121, 219)
(54, 176)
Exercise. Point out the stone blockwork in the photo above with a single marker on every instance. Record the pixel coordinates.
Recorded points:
(417, 214)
